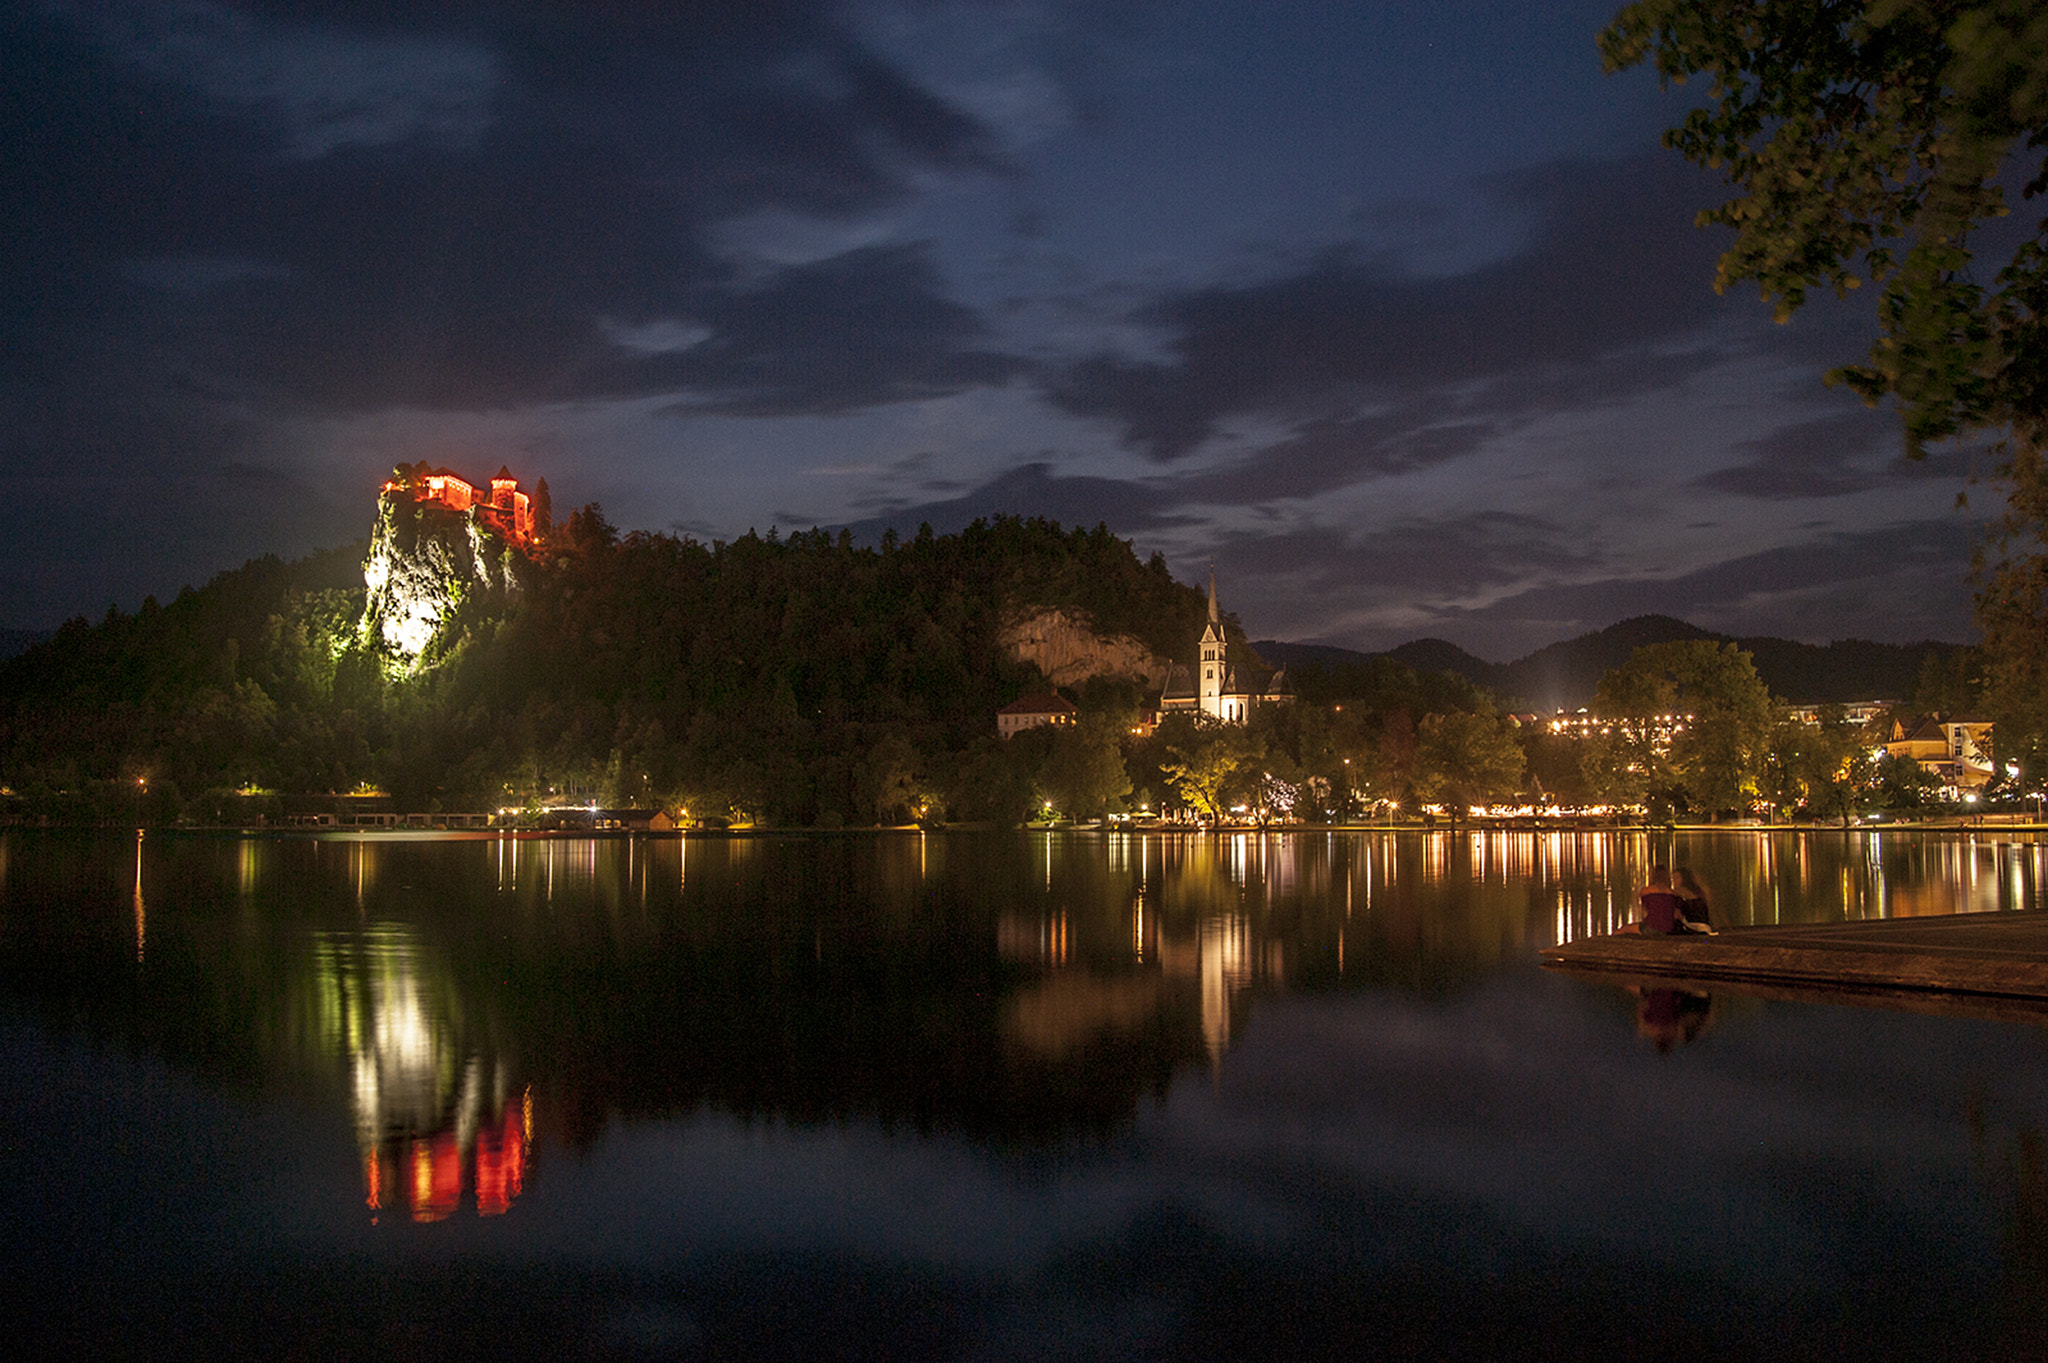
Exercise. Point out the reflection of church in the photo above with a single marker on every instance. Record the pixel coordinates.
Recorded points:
(1216, 686)
(1198, 958)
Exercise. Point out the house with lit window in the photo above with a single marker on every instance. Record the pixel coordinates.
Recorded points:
(1955, 749)
(1034, 712)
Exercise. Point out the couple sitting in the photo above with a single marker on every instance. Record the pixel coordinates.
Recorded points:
(1669, 910)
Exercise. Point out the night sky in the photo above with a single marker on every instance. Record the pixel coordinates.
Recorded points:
(1397, 312)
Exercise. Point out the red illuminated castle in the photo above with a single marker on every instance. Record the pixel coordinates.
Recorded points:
(512, 513)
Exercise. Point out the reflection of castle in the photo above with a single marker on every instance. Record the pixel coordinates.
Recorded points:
(505, 508)
(1217, 687)
(425, 1174)
(430, 1122)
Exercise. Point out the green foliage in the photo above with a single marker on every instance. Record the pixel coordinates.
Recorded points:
(1867, 141)
(1083, 774)
(1721, 713)
(1820, 771)
(788, 680)
(1466, 758)
(1901, 784)
(1205, 758)
(1864, 140)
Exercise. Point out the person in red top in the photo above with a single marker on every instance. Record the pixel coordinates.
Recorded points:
(1661, 912)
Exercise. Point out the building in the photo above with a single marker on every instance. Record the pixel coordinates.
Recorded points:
(1857, 712)
(1034, 712)
(503, 506)
(1955, 749)
(1215, 686)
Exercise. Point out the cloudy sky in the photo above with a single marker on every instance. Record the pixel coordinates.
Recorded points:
(1396, 312)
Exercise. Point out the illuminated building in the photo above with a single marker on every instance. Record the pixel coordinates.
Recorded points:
(1032, 712)
(1955, 749)
(504, 507)
(1217, 687)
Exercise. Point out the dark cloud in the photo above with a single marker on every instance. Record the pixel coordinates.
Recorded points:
(1612, 264)
(1902, 580)
(1830, 456)
(1029, 490)
(89, 529)
(867, 327)
(344, 249)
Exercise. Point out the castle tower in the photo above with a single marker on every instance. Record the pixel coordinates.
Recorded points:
(1210, 685)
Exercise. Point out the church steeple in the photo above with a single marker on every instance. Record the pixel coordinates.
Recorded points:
(1210, 685)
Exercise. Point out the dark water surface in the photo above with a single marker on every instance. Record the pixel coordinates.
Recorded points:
(988, 1096)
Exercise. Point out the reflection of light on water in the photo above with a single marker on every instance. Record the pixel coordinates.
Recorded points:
(424, 1113)
(249, 865)
(140, 915)
(1029, 938)
(1226, 965)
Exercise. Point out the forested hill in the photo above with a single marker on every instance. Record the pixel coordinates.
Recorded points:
(1563, 675)
(800, 678)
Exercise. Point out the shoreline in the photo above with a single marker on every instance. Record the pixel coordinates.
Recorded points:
(1973, 824)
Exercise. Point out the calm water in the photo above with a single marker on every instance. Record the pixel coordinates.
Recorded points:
(989, 1096)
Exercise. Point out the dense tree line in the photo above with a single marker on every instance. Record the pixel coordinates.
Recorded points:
(797, 680)
(807, 681)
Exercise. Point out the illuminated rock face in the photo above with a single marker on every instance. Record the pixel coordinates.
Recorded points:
(1069, 652)
(426, 559)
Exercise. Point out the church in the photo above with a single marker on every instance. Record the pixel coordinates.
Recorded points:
(1215, 686)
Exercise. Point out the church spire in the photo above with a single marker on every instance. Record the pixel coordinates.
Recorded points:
(1212, 591)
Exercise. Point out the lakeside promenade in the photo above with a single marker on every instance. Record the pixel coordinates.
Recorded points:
(1979, 964)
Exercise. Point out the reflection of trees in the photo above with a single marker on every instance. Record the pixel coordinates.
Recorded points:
(1001, 984)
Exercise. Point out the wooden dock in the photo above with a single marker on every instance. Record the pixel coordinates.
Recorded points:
(1978, 964)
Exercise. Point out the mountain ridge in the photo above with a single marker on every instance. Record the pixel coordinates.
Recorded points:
(1563, 675)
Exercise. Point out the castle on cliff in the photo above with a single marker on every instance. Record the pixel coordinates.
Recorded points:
(524, 520)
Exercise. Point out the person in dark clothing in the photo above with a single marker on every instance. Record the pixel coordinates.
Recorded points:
(1692, 897)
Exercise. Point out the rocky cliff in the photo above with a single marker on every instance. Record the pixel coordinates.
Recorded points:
(425, 561)
(1069, 651)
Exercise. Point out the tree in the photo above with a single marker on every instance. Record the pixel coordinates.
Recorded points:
(1692, 712)
(1867, 141)
(1903, 784)
(1204, 755)
(1824, 768)
(1865, 138)
(1083, 773)
(1466, 758)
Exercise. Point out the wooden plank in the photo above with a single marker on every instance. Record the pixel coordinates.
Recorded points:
(2002, 955)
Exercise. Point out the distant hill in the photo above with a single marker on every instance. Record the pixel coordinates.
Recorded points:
(1564, 675)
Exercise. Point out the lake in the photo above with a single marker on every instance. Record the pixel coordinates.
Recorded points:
(991, 1096)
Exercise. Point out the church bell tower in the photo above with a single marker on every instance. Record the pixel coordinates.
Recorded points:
(1211, 683)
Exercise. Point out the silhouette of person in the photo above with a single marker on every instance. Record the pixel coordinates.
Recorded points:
(1692, 897)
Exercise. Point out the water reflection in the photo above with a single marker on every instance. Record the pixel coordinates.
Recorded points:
(1007, 986)
(141, 915)
(432, 1116)
(1668, 1018)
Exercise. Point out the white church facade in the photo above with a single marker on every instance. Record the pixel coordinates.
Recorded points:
(1215, 686)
